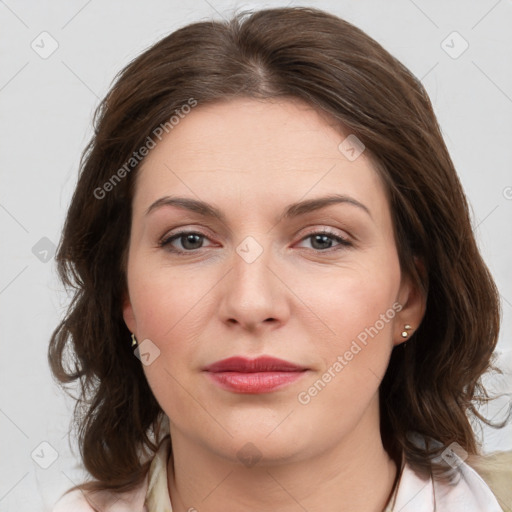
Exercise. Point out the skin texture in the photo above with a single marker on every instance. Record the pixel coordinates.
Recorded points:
(299, 300)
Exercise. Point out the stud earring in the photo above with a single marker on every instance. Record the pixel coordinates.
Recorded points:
(134, 340)
(405, 333)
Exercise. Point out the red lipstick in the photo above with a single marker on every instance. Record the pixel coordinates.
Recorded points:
(261, 375)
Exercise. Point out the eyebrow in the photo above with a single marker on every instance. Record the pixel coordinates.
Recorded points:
(294, 210)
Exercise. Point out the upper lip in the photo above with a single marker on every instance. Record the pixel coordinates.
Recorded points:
(260, 364)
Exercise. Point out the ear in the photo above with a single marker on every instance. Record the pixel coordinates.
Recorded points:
(128, 315)
(413, 300)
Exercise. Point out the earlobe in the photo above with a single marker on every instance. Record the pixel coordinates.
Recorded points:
(128, 315)
(413, 299)
(405, 334)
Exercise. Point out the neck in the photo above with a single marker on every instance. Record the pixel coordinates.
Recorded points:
(355, 474)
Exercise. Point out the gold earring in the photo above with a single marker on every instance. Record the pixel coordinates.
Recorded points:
(404, 332)
(134, 340)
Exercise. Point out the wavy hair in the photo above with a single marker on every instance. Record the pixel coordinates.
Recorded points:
(432, 386)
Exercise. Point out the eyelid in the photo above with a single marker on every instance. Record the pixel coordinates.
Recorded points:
(327, 230)
(185, 229)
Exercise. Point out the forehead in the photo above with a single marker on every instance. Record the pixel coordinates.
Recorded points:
(252, 150)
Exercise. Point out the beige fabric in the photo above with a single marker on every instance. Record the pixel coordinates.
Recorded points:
(496, 469)
(157, 497)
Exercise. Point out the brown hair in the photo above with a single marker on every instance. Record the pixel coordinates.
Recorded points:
(433, 385)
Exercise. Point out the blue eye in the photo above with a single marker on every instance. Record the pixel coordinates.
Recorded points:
(324, 241)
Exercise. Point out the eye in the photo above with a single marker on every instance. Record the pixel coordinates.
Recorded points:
(189, 241)
(323, 241)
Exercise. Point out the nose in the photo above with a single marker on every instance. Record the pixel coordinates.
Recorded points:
(252, 295)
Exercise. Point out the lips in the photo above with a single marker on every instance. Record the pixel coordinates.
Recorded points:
(261, 375)
(261, 364)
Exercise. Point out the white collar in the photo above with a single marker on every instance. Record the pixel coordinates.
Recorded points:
(421, 493)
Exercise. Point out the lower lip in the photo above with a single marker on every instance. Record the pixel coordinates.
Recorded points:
(257, 382)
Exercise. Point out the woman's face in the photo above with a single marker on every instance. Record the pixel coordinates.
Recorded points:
(269, 274)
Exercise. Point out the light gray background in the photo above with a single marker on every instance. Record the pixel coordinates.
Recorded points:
(46, 108)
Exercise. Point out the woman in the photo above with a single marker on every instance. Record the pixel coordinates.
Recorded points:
(279, 304)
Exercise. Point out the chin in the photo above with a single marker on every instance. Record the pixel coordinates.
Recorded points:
(252, 447)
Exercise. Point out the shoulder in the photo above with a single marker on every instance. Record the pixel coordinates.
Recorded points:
(153, 490)
(72, 501)
(104, 501)
(467, 491)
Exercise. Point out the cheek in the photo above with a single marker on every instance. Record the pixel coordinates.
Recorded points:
(170, 306)
(165, 299)
(351, 299)
(357, 308)
(170, 309)
(355, 358)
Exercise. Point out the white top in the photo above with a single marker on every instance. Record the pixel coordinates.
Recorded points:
(413, 494)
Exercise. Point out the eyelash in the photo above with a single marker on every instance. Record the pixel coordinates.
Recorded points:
(166, 242)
